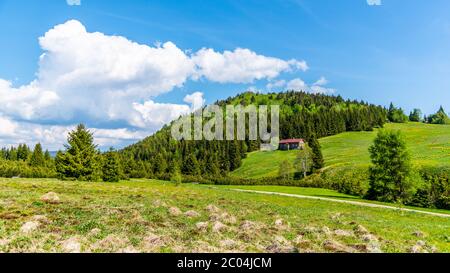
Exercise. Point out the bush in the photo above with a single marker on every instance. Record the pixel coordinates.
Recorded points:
(434, 191)
(9, 169)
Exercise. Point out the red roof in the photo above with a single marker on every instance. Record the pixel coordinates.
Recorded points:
(292, 141)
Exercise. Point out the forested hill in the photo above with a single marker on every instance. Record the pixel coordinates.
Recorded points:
(302, 115)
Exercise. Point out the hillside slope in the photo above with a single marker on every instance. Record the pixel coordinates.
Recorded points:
(301, 114)
(428, 145)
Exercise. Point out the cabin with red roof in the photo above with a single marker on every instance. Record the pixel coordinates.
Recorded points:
(291, 144)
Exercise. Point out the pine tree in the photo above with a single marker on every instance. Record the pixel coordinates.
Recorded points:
(23, 152)
(191, 166)
(81, 160)
(111, 166)
(317, 157)
(37, 157)
(415, 115)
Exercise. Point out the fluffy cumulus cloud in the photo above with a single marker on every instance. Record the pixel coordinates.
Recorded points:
(241, 66)
(297, 85)
(374, 2)
(196, 100)
(105, 79)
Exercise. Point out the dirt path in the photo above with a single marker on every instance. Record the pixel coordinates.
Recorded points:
(345, 202)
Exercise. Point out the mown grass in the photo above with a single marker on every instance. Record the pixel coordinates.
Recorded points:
(135, 216)
(427, 144)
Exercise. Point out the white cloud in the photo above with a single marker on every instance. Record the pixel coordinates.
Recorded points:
(92, 77)
(7, 127)
(374, 2)
(73, 2)
(276, 85)
(297, 85)
(100, 77)
(196, 100)
(316, 88)
(241, 66)
(157, 114)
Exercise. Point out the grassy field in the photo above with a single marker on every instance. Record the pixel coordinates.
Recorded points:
(428, 145)
(154, 216)
(318, 192)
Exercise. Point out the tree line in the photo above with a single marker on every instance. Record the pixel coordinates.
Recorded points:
(397, 115)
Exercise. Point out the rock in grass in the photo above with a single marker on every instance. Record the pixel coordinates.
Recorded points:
(95, 232)
(373, 247)
(202, 226)
(280, 224)
(71, 245)
(334, 246)
(192, 214)
(228, 218)
(128, 250)
(343, 233)
(369, 238)
(219, 227)
(153, 242)
(418, 234)
(248, 225)
(212, 209)
(50, 198)
(280, 245)
(29, 227)
(359, 229)
(3, 242)
(228, 243)
(416, 249)
(174, 211)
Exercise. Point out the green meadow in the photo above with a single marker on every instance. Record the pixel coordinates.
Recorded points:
(156, 216)
(428, 145)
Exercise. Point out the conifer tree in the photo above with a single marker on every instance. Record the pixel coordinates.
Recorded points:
(37, 157)
(191, 166)
(81, 160)
(111, 166)
(317, 157)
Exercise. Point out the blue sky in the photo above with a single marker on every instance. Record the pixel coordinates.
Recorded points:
(395, 51)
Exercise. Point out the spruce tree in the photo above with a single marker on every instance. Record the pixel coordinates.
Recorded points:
(37, 157)
(81, 160)
(191, 166)
(415, 115)
(111, 167)
(317, 157)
